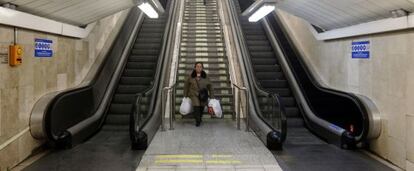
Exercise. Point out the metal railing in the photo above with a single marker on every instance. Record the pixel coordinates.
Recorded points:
(168, 92)
(237, 99)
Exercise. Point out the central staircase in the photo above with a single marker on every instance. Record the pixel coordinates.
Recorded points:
(202, 40)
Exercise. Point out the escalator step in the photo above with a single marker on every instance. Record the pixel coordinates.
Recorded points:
(131, 89)
(254, 32)
(263, 61)
(283, 92)
(141, 65)
(260, 48)
(257, 43)
(147, 46)
(142, 58)
(116, 109)
(255, 37)
(124, 98)
(274, 83)
(149, 39)
(150, 35)
(136, 80)
(289, 101)
(269, 75)
(267, 68)
(117, 119)
(292, 112)
(116, 128)
(295, 122)
(148, 52)
(261, 54)
(139, 72)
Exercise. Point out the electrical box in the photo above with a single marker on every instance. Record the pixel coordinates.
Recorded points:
(15, 55)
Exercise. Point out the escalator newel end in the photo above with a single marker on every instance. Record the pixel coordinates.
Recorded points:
(348, 141)
(274, 141)
(64, 140)
(139, 141)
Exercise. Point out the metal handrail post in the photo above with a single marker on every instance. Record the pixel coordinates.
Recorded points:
(172, 108)
(247, 110)
(238, 109)
(234, 104)
(163, 109)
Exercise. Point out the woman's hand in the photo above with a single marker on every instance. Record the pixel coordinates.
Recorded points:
(210, 110)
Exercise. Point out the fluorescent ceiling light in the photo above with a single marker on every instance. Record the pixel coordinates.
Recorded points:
(261, 12)
(148, 10)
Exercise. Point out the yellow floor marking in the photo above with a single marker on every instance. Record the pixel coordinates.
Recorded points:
(223, 162)
(221, 156)
(181, 156)
(177, 161)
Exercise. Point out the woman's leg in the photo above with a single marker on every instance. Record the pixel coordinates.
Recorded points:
(198, 114)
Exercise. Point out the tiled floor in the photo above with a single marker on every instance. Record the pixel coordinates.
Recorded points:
(215, 145)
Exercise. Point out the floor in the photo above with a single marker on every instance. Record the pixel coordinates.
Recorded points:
(107, 150)
(216, 145)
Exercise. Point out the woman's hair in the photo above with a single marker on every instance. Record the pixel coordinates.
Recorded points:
(194, 73)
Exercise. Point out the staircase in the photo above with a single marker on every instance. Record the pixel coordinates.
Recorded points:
(138, 74)
(202, 40)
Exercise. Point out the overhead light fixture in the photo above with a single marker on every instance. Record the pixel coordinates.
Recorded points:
(148, 10)
(398, 13)
(261, 12)
(260, 9)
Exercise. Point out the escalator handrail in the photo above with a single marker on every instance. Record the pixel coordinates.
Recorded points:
(246, 58)
(40, 116)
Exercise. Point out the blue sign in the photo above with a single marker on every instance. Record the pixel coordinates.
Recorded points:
(361, 49)
(43, 48)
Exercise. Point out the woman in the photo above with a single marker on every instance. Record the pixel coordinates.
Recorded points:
(196, 85)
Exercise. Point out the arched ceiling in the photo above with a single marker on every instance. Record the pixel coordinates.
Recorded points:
(76, 12)
(332, 14)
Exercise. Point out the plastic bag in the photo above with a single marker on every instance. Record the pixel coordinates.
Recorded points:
(186, 106)
(215, 104)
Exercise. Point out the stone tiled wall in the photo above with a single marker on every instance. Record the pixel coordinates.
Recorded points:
(22, 86)
(387, 78)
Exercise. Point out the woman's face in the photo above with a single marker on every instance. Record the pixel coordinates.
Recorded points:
(199, 68)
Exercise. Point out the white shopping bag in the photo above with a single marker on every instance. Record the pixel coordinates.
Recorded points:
(186, 106)
(215, 104)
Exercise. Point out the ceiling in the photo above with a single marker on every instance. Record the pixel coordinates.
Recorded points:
(76, 12)
(332, 14)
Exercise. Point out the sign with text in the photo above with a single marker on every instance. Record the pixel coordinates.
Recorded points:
(361, 49)
(4, 55)
(43, 48)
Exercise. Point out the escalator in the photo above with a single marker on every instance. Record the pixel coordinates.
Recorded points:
(100, 115)
(337, 117)
(139, 73)
(311, 134)
(317, 118)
